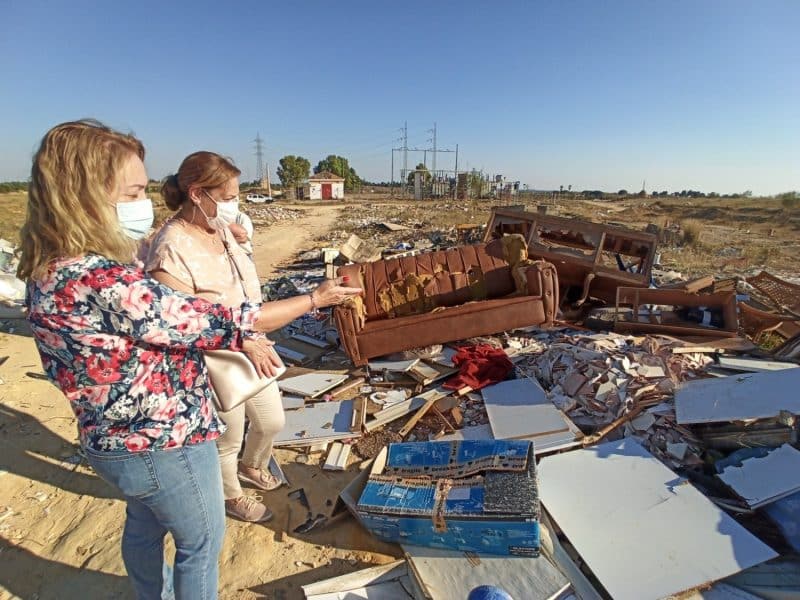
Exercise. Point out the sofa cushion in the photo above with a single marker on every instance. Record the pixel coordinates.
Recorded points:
(418, 284)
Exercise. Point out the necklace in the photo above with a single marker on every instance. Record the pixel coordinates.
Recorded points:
(213, 238)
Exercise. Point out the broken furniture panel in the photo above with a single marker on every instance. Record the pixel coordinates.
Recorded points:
(760, 481)
(443, 296)
(674, 312)
(762, 433)
(643, 531)
(592, 259)
(738, 397)
(311, 385)
(755, 321)
(318, 422)
(785, 295)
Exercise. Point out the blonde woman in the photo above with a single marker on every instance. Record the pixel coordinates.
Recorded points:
(195, 252)
(125, 351)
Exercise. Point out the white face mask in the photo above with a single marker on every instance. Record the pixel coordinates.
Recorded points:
(221, 221)
(228, 211)
(136, 218)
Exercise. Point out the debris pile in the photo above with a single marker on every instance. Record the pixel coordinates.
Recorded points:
(624, 389)
(12, 290)
(266, 215)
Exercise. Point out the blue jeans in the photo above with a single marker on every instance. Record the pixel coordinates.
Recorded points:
(177, 491)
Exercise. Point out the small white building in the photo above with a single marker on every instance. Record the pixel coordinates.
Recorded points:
(322, 186)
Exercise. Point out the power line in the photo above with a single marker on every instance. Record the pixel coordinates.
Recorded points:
(259, 157)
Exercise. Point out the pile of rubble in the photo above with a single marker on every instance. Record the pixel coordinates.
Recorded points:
(624, 391)
(266, 215)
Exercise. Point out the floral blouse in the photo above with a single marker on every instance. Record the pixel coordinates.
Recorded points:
(125, 351)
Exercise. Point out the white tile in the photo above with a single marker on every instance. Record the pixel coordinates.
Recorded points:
(760, 481)
(738, 397)
(311, 385)
(642, 530)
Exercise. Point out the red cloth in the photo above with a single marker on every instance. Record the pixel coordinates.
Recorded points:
(481, 365)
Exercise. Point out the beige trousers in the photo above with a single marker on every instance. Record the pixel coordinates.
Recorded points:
(265, 411)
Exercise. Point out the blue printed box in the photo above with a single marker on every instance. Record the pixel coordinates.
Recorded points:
(473, 495)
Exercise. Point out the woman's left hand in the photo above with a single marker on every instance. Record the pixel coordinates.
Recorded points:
(263, 356)
(239, 232)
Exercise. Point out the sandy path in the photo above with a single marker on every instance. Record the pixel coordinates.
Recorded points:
(279, 243)
(60, 525)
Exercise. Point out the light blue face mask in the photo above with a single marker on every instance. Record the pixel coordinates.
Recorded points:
(136, 218)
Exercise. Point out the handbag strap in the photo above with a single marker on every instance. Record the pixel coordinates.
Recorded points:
(235, 265)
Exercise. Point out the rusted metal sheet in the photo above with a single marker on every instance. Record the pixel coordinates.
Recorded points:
(592, 259)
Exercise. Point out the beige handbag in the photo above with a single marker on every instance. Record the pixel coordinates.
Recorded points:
(233, 377)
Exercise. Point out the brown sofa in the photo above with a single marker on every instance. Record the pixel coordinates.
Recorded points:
(444, 296)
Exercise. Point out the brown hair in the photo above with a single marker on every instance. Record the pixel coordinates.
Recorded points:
(69, 213)
(203, 169)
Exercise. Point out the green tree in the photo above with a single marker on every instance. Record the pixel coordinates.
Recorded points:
(292, 170)
(338, 165)
(622, 193)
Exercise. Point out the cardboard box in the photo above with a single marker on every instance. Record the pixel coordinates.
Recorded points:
(473, 495)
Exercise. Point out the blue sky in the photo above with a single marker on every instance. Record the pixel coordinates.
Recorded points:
(598, 95)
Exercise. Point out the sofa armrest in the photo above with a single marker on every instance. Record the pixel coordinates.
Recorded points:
(348, 324)
(542, 281)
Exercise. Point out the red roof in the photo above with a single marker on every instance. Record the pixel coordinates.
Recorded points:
(325, 176)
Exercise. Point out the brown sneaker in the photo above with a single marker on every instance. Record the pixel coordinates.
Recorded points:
(265, 481)
(248, 508)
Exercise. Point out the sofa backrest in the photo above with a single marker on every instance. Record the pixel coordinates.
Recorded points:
(417, 284)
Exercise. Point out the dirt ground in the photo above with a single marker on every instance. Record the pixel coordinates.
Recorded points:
(60, 525)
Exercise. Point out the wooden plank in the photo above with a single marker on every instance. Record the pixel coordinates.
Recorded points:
(347, 388)
(400, 409)
(365, 577)
(738, 398)
(613, 501)
(753, 365)
(359, 414)
(398, 366)
(291, 355)
(337, 457)
(417, 416)
(311, 341)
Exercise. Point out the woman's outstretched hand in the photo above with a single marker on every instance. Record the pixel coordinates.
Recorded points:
(332, 292)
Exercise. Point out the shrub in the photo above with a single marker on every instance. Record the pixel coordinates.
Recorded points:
(690, 230)
(790, 200)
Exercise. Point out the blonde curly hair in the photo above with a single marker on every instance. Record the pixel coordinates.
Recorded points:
(74, 176)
